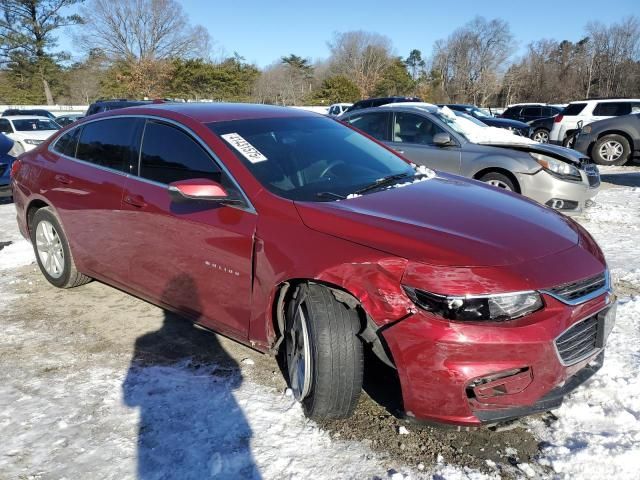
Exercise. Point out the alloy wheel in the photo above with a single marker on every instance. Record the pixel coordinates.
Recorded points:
(611, 151)
(299, 361)
(541, 136)
(50, 249)
(499, 184)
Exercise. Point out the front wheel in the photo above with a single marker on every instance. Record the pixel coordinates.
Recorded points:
(499, 180)
(52, 251)
(324, 355)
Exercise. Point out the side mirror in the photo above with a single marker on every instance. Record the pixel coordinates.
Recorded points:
(197, 189)
(442, 139)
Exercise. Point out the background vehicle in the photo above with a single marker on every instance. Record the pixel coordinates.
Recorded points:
(554, 176)
(541, 128)
(338, 108)
(376, 102)
(37, 112)
(519, 128)
(108, 105)
(430, 273)
(613, 141)
(64, 120)
(27, 131)
(528, 112)
(6, 161)
(565, 125)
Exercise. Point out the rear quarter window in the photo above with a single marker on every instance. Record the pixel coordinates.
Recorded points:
(573, 109)
(111, 143)
(67, 143)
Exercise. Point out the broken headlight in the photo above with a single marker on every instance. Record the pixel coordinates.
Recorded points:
(557, 167)
(480, 308)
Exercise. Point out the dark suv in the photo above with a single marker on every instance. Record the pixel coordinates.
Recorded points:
(39, 112)
(613, 141)
(528, 113)
(376, 102)
(106, 105)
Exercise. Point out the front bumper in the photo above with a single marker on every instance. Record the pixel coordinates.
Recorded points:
(443, 365)
(565, 196)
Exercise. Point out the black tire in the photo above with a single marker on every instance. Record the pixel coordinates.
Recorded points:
(336, 352)
(612, 139)
(541, 135)
(499, 180)
(570, 140)
(69, 277)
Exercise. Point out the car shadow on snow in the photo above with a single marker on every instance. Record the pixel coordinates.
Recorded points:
(631, 179)
(182, 382)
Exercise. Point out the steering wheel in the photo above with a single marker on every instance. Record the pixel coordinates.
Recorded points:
(329, 167)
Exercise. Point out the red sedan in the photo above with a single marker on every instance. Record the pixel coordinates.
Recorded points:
(293, 233)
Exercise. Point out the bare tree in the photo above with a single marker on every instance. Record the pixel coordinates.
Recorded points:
(362, 57)
(142, 30)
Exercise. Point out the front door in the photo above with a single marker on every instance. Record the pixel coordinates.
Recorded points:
(413, 137)
(194, 256)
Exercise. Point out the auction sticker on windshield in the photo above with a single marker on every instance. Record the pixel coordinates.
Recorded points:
(247, 150)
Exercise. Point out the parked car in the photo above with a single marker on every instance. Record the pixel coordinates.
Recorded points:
(529, 112)
(27, 131)
(108, 105)
(487, 305)
(376, 102)
(613, 141)
(64, 120)
(541, 128)
(37, 112)
(338, 109)
(519, 128)
(567, 123)
(431, 136)
(6, 161)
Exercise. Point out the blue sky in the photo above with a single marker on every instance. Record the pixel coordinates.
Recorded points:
(263, 31)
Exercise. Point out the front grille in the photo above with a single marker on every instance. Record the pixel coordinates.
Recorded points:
(579, 341)
(573, 292)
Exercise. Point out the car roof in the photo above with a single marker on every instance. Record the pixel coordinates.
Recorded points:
(26, 117)
(213, 112)
(606, 100)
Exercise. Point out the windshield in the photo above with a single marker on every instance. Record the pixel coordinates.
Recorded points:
(35, 124)
(480, 113)
(309, 158)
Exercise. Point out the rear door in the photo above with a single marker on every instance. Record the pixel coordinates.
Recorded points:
(412, 136)
(86, 190)
(194, 256)
(530, 113)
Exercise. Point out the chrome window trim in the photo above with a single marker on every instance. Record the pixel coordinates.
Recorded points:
(585, 356)
(606, 288)
(247, 208)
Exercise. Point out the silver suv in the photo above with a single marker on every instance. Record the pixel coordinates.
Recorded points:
(438, 138)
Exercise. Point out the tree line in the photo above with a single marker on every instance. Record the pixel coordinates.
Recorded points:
(150, 49)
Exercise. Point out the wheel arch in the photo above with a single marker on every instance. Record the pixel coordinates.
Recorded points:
(32, 207)
(622, 133)
(478, 175)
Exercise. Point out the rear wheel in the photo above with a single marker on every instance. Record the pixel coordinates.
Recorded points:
(324, 355)
(541, 135)
(52, 251)
(499, 180)
(611, 150)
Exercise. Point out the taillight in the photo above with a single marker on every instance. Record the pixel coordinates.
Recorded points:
(558, 119)
(15, 167)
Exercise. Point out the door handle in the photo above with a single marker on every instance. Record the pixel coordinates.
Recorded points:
(135, 200)
(63, 179)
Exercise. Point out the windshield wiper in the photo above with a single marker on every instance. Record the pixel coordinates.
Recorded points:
(330, 195)
(381, 182)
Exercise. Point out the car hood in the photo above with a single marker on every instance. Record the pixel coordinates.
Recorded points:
(446, 220)
(35, 134)
(556, 151)
(504, 122)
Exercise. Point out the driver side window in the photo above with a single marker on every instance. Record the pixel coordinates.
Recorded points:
(412, 128)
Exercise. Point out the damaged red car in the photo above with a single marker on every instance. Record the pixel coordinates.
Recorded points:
(293, 233)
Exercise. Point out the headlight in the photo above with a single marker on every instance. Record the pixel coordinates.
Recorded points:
(586, 129)
(481, 308)
(558, 167)
(31, 141)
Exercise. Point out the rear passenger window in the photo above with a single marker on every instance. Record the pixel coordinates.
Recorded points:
(573, 109)
(169, 155)
(532, 112)
(612, 109)
(375, 124)
(110, 143)
(67, 143)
